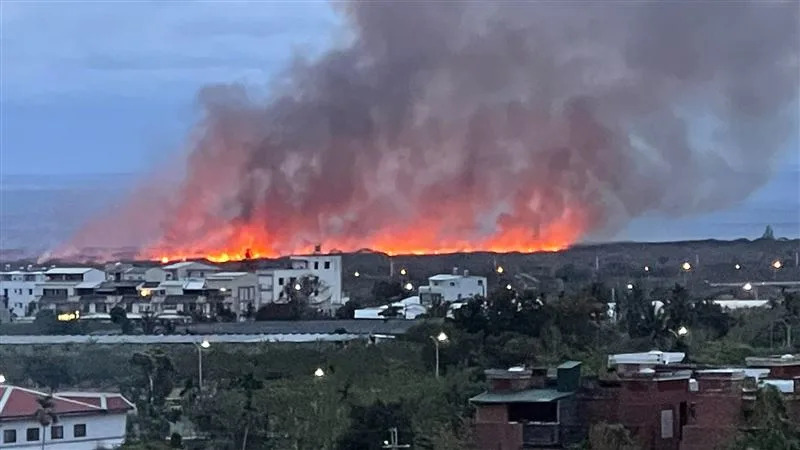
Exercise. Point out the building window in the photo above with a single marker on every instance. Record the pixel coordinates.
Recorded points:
(79, 430)
(280, 281)
(30, 291)
(452, 283)
(316, 265)
(57, 432)
(32, 434)
(327, 264)
(5, 292)
(480, 282)
(9, 436)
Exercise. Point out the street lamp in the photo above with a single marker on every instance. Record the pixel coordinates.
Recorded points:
(500, 269)
(297, 287)
(319, 373)
(682, 331)
(647, 268)
(686, 266)
(2, 379)
(737, 266)
(508, 286)
(356, 274)
(441, 338)
(777, 264)
(403, 272)
(200, 347)
(408, 286)
(749, 287)
(629, 286)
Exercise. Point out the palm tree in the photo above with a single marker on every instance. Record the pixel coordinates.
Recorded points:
(45, 414)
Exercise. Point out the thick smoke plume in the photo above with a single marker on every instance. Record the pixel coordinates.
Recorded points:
(445, 126)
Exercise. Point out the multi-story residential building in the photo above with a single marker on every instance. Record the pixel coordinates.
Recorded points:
(129, 272)
(444, 288)
(241, 289)
(86, 420)
(324, 270)
(18, 290)
(63, 286)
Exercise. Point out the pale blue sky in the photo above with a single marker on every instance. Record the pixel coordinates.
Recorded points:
(108, 87)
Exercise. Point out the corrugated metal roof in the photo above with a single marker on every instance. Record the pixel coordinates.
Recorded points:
(527, 396)
(88, 285)
(193, 264)
(226, 275)
(68, 271)
(569, 365)
(194, 285)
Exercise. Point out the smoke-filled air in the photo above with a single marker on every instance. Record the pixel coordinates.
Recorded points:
(459, 126)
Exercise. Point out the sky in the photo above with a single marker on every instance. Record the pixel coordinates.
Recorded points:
(109, 87)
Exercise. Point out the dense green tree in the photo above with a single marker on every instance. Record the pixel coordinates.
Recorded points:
(370, 424)
(768, 425)
(120, 317)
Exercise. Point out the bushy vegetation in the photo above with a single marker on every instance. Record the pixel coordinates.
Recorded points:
(266, 396)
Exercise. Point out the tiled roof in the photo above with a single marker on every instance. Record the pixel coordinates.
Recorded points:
(17, 402)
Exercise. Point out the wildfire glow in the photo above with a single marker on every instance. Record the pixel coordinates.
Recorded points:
(238, 243)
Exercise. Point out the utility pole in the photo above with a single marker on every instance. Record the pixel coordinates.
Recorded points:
(393, 442)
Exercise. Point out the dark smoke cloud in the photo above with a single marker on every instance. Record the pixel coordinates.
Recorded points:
(475, 118)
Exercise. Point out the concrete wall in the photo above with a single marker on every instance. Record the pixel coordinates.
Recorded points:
(101, 431)
(19, 292)
(498, 436)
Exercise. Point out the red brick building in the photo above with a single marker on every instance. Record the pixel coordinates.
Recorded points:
(524, 408)
(665, 405)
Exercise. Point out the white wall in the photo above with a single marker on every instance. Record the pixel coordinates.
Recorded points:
(101, 431)
(272, 282)
(456, 288)
(18, 291)
(94, 275)
(155, 274)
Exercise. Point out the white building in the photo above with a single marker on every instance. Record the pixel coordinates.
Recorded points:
(129, 272)
(18, 290)
(326, 269)
(63, 281)
(241, 288)
(408, 308)
(452, 288)
(188, 269)
(86, 420)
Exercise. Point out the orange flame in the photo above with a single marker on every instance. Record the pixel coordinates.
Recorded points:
(243, 242)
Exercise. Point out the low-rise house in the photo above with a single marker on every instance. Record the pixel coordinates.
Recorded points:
(523, 408)
(86, 420)
(446, 288)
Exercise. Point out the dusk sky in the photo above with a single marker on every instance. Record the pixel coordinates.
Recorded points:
(109, 87)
